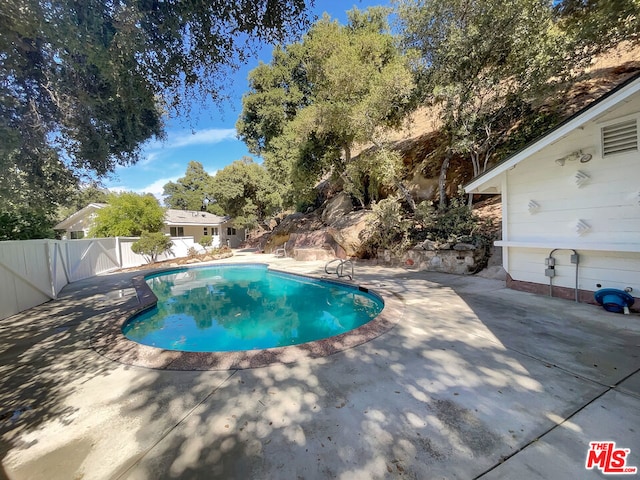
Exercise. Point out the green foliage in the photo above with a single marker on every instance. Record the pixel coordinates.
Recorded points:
(246, 192)
(389, 228)
(30, 194)
(596, 25)
(190, 191)
(82, 197)
(24, 223)
(206, 240)
(83, 84)
(452, 224)
(481, 61)
(128, 215)
(151, 245)
(372, 172)
(317, 98)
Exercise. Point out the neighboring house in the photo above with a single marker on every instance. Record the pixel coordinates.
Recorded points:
(577, 188)
(78, 225)
(178, 223)
(187, 223)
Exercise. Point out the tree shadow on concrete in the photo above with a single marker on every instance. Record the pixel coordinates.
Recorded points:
(438, 396)
(448, 392)
(44, 358)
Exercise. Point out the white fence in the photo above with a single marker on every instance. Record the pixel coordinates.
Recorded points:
(34, 271)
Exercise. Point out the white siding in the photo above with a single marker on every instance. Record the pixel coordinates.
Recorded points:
(608, 202)
(608, 269)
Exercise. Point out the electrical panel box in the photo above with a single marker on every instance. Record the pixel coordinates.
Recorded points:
(575, 258)
(550, 272)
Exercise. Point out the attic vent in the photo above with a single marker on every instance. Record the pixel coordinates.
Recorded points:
(619, 138)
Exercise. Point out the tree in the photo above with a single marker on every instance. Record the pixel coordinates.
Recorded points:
(128, 215)
(481, 62)
(190, 191)
(362, 84)
(83, 84)
(246, 192)
(151, 245)
(597, 25)
(340, 86)
(206, 240)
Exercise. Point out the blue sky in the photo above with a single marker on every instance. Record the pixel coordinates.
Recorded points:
(209, 136)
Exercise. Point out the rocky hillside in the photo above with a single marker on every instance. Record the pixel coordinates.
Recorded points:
(337, 229)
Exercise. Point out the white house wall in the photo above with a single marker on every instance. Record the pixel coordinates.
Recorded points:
(607, 269)
(197, 232)
(545, 206)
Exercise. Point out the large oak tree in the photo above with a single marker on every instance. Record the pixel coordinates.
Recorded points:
(84, 83)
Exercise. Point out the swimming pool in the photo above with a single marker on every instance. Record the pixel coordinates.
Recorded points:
(247, 307)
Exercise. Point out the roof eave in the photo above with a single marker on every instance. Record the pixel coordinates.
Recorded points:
(592, 111)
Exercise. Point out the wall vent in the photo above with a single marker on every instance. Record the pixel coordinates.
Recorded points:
(620, 137)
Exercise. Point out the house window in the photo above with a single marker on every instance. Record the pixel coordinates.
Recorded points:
(77, 235)
(620, 137)
(214, 231)
(176, 231)
(231, 231)
(206, 231)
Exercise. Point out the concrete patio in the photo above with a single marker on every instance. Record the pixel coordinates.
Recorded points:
(475, 381)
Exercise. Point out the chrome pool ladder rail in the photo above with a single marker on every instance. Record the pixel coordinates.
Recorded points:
(339, 268)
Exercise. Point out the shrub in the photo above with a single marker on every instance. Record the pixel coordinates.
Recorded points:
(206, 241)
(389, 228)
(192, 252)
(151, 245)
(455, 223)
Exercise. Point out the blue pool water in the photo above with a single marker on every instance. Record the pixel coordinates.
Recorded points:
(247, 307)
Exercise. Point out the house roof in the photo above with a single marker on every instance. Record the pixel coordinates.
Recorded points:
(191, 217)
(599, 107)
(79, 215)
(172, 217)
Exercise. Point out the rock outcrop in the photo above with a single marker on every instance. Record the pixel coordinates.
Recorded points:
(334, 231)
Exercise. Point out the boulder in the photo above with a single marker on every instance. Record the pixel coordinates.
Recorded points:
(318, 239)
(296, 222)
(422, 188)
(350, 232)
(312, 253)
(336, 208)
(428, 245)
(495, 272)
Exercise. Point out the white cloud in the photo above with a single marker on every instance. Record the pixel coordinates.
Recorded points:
(155, 149)
(209, 136)
(154, 188)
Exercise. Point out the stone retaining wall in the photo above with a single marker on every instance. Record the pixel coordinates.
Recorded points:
(461, 262)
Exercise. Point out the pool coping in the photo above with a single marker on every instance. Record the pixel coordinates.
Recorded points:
(109, 341)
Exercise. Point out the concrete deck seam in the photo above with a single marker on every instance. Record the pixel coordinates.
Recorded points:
(539, 437)
(553, 427)
(178, 423)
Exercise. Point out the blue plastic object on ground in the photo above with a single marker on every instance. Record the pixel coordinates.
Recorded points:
(613, 300)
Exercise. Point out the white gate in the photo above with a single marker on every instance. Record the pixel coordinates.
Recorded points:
(34, 271)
